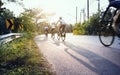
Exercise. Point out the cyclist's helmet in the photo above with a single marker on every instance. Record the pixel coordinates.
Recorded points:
(60, 17)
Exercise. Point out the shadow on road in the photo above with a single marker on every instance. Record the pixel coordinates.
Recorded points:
(41, 39)
(101, 66)
(56, 42)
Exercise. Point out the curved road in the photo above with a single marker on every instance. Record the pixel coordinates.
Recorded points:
(80, 55)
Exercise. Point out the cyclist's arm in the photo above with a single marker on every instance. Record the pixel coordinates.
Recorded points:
(57, 22)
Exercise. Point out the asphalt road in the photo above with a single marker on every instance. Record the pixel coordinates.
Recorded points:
(80, 55)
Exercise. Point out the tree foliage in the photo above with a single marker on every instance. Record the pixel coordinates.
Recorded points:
(2, 2)
(4, 16)
(69, 28)
(39, 18)
(93, 24)
(88, 27)
(79, 29)
(26, 19)
(31, 20)
(8, 14)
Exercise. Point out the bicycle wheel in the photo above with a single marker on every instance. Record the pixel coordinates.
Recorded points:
(63, 36)
(53, 35)
(106, 36)
(58, 36)
(46, 34)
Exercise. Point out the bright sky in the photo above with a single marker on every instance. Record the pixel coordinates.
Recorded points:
(63, 8)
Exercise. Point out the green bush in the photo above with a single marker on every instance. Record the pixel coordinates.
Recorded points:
(21, 57)
(79, 29)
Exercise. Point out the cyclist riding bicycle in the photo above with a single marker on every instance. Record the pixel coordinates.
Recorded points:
(52, 27)
(110, 23)
(46, 30)
(116, 21)
(113, 3)
(53, 30)
(61, 29)
(62, 24)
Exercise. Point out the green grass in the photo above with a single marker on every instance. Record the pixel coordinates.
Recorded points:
(22, 57)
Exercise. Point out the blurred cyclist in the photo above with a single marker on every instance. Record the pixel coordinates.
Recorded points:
(116, 19)
(62, 24)
(46, 31)
(52, 27)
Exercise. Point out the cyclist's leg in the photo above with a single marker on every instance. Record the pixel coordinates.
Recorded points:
(52, 31)
(63, 28)
(60, 28)
(116, 22)
(46, 33)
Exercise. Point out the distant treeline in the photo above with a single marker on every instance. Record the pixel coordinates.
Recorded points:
(89, 27)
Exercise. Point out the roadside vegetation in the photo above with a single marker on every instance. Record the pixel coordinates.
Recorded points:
(89, 27)
(22, 56)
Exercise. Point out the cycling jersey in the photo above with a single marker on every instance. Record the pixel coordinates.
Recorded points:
(62, 22)
(115, 4)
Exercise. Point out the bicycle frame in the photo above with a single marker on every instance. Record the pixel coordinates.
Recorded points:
(107, 30)
(104, 22)
(53, 33)
(61, 34)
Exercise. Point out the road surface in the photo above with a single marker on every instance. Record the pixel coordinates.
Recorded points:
(80, 55)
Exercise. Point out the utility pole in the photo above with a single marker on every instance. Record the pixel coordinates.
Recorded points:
(84, 15)
(80, 16)
(76, 14)
(88, 9)
(98, 5)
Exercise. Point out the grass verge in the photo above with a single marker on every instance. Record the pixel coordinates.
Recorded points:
(22, 57)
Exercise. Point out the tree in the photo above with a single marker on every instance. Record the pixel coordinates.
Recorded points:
(27, 21)
(88, 27)
(8, 14)
(93, 24)
(31, 19)
(78, 29)
(5, 14)
(7, 1)
(39, 15)
(69, 28)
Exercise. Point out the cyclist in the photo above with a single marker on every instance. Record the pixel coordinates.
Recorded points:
(62, 24)
(116, 21)
(46, 30)
(52, 27)
(115, 4)
(53, 30)
(111, 0)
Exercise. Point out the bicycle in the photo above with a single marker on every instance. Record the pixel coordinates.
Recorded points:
(61, 34)
(53, 33)
(46, 34)
(109, 27)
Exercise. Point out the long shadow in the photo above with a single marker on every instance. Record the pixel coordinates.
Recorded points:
(41, 39)
(56, 42)
(102, 66)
